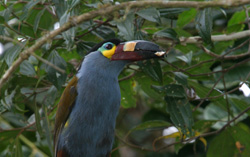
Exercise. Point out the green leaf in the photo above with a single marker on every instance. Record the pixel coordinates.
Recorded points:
(18, 148)
(47, 129)
(50, 96)
(126, 27)
(222, 145)
(150, 14)
(74, 3)
(180, 114)
(11, 53)
(15, 118)
(150, 125)
(181, 78)
(38, 119)
(241, 136)
(186, 58)
(26, 9)
(168, 33)
(235, 75)
(152, 68)
(5, 14)
(171, 13)
(240, 104)
(27, 69)
(3, 66)
(235, 24)
(37, 20)
(145, 82)
(54, 76)
(2, 20)
(203, 125)
(234, 141)
(104, 32)
(7, 138)
(83, 47)
(204, 24)
(202, 92)
(178, 107)
(186, 17)
(68, 35)
(172, 90)
(127, 94)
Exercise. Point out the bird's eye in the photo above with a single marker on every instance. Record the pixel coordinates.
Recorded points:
(108, 46)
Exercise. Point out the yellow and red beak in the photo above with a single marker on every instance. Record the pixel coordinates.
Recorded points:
(137, 50)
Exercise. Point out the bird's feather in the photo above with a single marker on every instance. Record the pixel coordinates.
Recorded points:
(65, 105)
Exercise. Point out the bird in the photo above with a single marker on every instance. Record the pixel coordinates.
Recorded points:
(87, 110)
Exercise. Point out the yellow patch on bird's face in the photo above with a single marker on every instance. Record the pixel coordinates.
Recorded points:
(107, 49)
(109, 53)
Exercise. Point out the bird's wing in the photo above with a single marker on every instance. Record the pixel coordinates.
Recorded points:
(64, 108)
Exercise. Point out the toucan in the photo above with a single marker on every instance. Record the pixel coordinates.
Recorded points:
(87, 110)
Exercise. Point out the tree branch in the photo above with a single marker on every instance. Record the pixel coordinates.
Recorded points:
(198, 39)
(109, 10)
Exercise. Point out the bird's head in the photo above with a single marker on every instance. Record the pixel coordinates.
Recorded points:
(135, 50)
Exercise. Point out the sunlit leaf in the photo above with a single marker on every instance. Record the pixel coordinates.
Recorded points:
(186, 17)
(127, 94)
(151, 125)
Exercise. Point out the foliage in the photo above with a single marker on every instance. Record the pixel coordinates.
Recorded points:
(194, 88)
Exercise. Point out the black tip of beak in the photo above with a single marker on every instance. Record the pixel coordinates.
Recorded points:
(137, 50)
(147, 46)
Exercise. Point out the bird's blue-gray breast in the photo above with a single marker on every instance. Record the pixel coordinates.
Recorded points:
(91, 123)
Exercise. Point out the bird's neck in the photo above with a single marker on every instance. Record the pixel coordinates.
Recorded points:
(93, 117)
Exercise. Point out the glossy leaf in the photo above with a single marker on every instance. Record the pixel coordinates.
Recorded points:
(26, 9)
(104, 32)
(171, 13)
(11, 54)
(27, 69)
(55, 77)
(126, 27)
(186, 58)
(150, 14)
(168, 33)
(83, 47)
(38, 17)
(204, 24)
(180, 114)
(153, 69)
